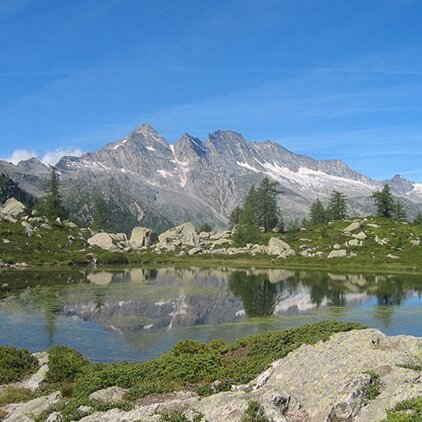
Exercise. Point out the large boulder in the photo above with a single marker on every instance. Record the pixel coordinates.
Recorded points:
(278, 247)
(351, 227)
(109, 395)
(141, 237)
(106, 241)
(27, 412)
(13, 208)
(185, 235)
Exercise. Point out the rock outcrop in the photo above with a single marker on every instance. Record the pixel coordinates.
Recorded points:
(141, 237)
(12, 208)
(314, 383)
(278, 247)
(109, 241)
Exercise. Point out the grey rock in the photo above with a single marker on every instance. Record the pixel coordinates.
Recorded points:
(195, 251)
(384, 241)
(360, 236)
(103, 241)
(109, 395)
(54, 417)
(355, 242)
(27, 412)
(351, 227)
(140, 237)
(391, 256)
(13, 208)
(276, 246)
(337, 253)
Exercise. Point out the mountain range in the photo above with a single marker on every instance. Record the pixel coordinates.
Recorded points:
(148, 181)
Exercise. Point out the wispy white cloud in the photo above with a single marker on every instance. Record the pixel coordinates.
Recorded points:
(20, 155)
(52, 157)
(48, 158)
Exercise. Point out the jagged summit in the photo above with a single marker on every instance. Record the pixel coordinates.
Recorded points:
(158, 184)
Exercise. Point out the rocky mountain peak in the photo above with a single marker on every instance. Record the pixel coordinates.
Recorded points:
(400, 184)
(187, 144)
(226, 136)
(32, 165)
(147, 132)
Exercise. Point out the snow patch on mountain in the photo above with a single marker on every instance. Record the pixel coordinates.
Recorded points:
(247, 166)
(165, 173)
(183, 166)
(120, 144)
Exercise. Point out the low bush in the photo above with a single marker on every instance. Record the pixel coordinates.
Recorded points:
(192, 364)
(15, 364)
(64, 364)
(254, 413)
(406, 411)
(373, 390)
(180, 417)
(15, 395)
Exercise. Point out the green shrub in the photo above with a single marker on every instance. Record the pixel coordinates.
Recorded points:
(15, 395)
(15, 364)
(254, 413)
(64, 364)
(406, 411)
(195, 365)
(180, 417)
(373, 390)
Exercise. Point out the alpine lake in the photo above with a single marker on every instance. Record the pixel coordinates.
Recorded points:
(137, 314)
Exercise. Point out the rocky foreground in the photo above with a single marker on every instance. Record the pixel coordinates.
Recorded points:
(354, 376)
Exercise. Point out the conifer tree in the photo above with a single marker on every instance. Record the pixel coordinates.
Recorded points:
(418, 219)
(318, 214)
(52, 205)
(266, 204)
(234, 218)
(399, 212)
(384, 202)
(100, 215)
(248, 231)
(337, 207)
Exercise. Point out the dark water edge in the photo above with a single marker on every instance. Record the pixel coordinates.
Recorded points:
(138, 313)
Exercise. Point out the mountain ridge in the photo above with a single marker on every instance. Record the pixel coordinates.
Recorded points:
(154, 182)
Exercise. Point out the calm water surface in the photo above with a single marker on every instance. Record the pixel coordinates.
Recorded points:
(137, 314)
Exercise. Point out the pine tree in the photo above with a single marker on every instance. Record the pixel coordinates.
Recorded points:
(266, 204)
(318, 214)
(248, 231)
(337, 207)
(52, 206)
(100, 215)
(399, 212)
(234, 218)
(384, 202)
(418, 219)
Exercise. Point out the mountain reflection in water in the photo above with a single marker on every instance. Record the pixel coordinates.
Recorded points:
(153, 308)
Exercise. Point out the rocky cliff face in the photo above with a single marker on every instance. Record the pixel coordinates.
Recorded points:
(149, 181)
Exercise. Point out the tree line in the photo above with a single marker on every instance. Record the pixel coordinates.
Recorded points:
(259, 213)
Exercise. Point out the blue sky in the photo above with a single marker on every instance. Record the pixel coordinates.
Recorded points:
(327, 78)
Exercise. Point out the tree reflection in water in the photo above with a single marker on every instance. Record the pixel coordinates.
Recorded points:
(256, 292)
